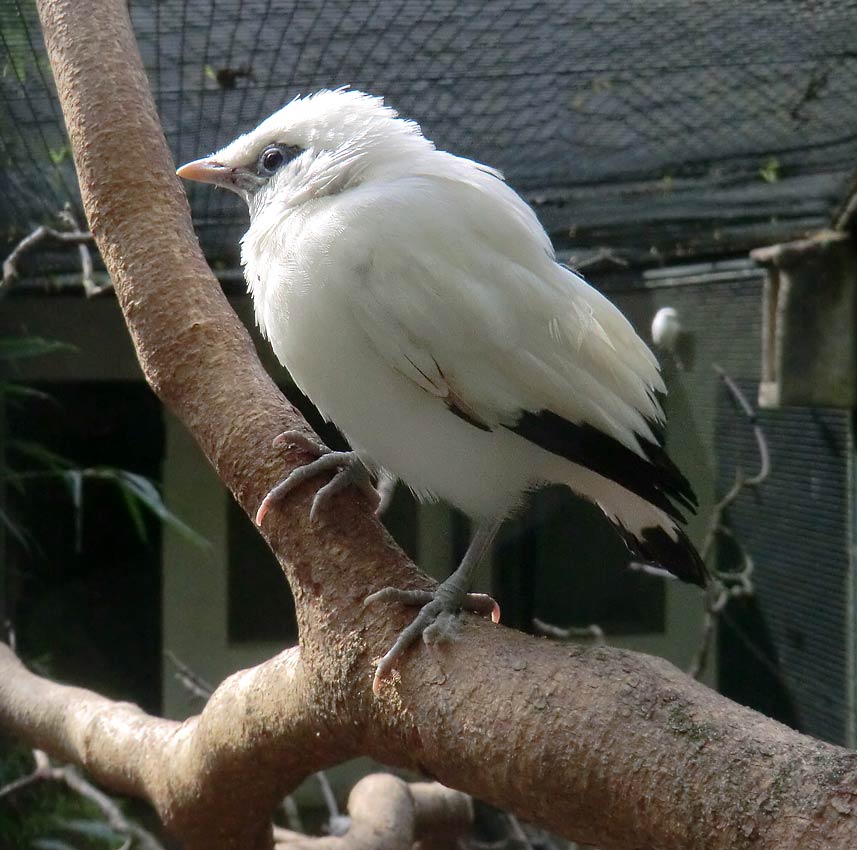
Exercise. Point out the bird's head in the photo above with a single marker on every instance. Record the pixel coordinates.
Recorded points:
(314, 146)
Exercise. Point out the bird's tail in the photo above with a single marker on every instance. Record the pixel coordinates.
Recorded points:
(661, 550)
(656, 540)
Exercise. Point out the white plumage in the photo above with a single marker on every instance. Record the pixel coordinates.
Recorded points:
(415, 298)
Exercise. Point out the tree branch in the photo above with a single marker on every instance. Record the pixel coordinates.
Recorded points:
(185, 770)
(389, 814)
(73, 236)
(604, 746)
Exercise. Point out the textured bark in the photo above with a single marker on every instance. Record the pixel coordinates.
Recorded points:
(601, 745)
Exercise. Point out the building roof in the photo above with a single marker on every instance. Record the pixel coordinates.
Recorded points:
(645, 127)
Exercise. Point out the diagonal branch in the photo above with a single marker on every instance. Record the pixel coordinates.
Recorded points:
(604, 746)
(734, 583)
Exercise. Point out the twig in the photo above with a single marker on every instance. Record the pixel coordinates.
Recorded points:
(603, 258)
(337, 824)
(592, 632)
(69, 776)
(726, 585)
(90, 287)
(112, 813)
(293, 816)
(387, 813)
(41, 233)
(73, 236)
(21, 782)
(189, 679)
(516, 831)
(761, 442)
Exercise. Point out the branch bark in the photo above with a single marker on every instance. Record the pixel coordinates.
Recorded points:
(601, 745)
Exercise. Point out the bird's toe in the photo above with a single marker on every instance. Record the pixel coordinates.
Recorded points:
(483, 605)
(445, 628)
(403, 597)
(348, 468)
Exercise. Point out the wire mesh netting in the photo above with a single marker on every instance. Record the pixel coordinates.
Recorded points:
(643, 126)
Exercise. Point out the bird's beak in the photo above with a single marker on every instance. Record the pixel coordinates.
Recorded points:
(242, 181)
(208, 171)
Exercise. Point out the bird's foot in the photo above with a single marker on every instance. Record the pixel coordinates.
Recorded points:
(436, 621)
(348, 467)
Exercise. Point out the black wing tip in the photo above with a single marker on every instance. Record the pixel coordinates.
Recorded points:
(673, 479)
(653, 477)
(656, 551)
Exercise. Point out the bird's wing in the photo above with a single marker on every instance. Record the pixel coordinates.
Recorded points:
(461, 295)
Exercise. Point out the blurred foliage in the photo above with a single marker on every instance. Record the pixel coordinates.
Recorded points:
(137, 492)
(47, 815)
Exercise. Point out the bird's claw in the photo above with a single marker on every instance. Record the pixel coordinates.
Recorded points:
(436, 621)
(348, 467)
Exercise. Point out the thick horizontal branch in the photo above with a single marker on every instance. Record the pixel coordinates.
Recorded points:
(562, 734)
(604, 746)
(186, 770)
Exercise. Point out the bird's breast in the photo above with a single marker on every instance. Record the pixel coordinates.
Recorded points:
(309, 272)
(389, 420)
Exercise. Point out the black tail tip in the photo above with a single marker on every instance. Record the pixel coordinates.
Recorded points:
(656, 551)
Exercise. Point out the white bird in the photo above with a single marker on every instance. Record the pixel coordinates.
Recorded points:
(416, 300)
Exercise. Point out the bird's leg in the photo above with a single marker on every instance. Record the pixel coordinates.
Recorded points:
(348, 466)
(437, 618)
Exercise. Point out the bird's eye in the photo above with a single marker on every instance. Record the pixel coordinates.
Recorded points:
(275, 156)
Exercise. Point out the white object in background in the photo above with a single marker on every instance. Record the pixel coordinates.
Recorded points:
(667, 333)
(666, 329)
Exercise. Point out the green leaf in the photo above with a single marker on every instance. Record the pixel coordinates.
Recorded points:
(19, 533)
(90, 828)
(23, 347)
(58, 155)
(74, 480)
(140, 488)
(771, 171)
(52, 844)
(42, 456)
(134, 511)
(21, 391)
